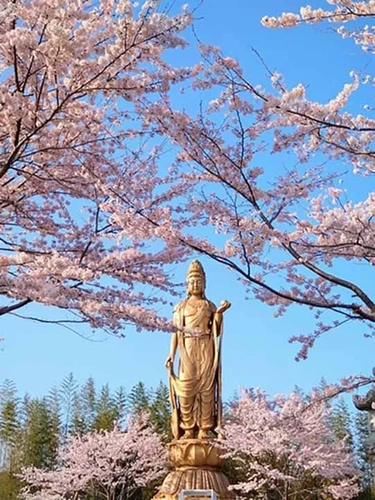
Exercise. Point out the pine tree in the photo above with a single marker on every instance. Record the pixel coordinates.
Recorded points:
(68, 391)
(9, 424)
(106, 412)
(364, 460)
(160, 411)
(40, 436)
(10, 485)
(88, 403)
(139, 399)
(78, 424)
(54, 408)
(120, 403)
(340, 422)
(9, 435)
(8, 390)
(10, 432)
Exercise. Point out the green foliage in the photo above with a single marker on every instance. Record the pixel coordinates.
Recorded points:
(364, 461)
(9, 426)
(67, 396)
(31, 429)
(40, 436)
(139, 399)
(9, 421)
(341, 423)
(9, 485)
(120, 403)
(10, 434)
(106, 411)
(160, 411)
(155, 403)
(88, 403)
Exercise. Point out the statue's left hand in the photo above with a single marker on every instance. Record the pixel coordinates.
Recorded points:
(224, 305)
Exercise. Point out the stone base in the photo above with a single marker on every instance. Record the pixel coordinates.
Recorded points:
(196, 464)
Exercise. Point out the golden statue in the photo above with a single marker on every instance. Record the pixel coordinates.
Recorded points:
(196, 391)
(195, 455)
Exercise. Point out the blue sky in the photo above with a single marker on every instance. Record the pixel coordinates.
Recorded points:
(256, 348)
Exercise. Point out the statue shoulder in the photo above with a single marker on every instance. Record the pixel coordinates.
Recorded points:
(180, 306)
(178, 314)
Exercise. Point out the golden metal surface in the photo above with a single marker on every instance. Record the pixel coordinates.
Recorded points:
(196, 391)
(195, 394)
(195, 453)
(196, 466)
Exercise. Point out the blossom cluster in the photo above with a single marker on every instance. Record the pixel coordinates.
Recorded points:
(107, 461)
(286, 443)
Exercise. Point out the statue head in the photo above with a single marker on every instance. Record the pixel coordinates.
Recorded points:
(196, 279)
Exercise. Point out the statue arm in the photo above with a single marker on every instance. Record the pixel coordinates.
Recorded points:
(218, 314)
(218, 320)
(172, 350)
(177, 322)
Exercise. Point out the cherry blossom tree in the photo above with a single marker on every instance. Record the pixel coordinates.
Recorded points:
(113, 464)
(80, 189)
(286, 450)
(90, 216)
(293, 227)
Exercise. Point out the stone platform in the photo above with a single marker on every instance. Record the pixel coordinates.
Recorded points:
(196, 465)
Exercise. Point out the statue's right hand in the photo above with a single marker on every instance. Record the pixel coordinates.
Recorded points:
(169, 362)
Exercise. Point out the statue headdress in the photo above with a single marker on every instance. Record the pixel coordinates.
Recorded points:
(196, 269)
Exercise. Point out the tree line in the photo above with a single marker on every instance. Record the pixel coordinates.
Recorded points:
(33, 430)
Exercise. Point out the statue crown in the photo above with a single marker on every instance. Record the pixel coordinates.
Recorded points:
(196, 268)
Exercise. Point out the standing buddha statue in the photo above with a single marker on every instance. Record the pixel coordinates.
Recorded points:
(196, 391)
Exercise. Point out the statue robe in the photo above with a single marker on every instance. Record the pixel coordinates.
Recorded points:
(196, 392)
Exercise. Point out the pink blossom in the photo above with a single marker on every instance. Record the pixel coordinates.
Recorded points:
(114, 462)
(287, 445)
(84, 221)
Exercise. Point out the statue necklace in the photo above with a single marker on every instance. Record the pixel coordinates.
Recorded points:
(200, 303)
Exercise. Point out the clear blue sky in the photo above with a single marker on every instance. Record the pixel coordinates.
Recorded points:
(256, 348)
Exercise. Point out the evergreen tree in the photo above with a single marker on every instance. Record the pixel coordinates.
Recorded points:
(32, 429)
(106, 412)
(364, 461)
(8, 390)
(9, 433)
(24, 410)
(9, 424)
(340, 422)
(9, 441)
(160, 411)
(78, 424)
(88, 403)
(139, 399)
(68, 391)
(54, 408)
(120, 403)
(10, 485)
(40, 436)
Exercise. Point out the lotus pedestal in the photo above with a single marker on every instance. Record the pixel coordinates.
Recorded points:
(196, 465)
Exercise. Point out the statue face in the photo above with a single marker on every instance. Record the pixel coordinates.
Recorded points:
(195, 285)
